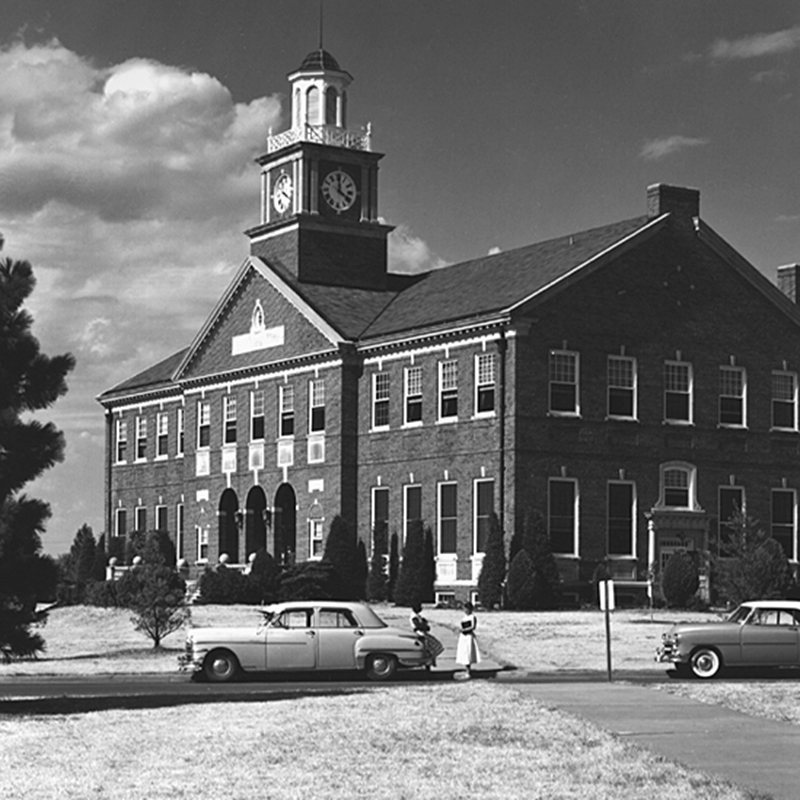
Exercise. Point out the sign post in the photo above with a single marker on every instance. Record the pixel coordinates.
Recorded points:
(607, 605)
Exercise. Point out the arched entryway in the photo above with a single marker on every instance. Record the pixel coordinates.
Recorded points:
(255, 535)
(284, 523)
(228, 525)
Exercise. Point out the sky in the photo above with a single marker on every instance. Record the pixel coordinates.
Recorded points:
(129, 129)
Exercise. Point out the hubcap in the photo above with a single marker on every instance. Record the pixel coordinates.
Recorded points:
(220, 666)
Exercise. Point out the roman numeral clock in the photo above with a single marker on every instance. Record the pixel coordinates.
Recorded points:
(319, 187)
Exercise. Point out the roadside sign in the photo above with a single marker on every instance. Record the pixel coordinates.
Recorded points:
(606, 590)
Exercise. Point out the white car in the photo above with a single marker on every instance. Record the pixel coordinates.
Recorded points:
(305, 635)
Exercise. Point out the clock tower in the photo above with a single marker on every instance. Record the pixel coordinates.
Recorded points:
(319, 187)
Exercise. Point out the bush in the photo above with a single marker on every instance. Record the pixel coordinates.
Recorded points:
(308, 581)
(225, 586)
(521, 587)
(341, 552)
(102, 593)
(264, 578)
(411, 586)
(680, 580)
(493, 571)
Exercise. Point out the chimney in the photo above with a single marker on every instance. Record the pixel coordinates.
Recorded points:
(682, 203)
(787, 280)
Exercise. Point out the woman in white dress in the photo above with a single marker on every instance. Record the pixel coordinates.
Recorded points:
(468, 652)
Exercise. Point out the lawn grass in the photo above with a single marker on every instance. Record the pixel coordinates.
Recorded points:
(442, 740)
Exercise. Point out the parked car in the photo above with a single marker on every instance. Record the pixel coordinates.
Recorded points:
(305, 635)
(759, 633)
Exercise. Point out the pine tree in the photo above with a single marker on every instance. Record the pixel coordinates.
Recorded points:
(548, 578)
(362, 570)
(29, 381)
(521, 587)
(493, 571)
(680, 580)
(75, 568)
(411, 585)
(394, 566)
(429, 567)
(377, 584)
(342, 554)
(264, 577)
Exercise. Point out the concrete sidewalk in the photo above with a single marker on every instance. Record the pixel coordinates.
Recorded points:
(754, 753)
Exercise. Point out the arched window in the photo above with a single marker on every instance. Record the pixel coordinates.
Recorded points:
(331, 97)
(343, 103)
(678, 486)
(313, 106)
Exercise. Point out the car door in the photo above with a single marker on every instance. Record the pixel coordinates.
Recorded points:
(337, 634)
(771, 637)
(291, 640)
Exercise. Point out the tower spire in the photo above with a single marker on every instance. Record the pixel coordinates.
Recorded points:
(320, 25)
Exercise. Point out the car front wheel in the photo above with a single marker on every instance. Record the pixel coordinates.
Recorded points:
(220, 666)
(381, 667)
(705, 662)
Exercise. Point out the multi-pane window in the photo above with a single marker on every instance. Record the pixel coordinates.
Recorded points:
(563, 386)
(141, 438)
(413, 395)
(621, 387)
(316, 536)
(286, 403)
(784, 521)
(676, 487)
(677, 391)
(380, 400)
(203, 423)
(316, 422)
(161, 518)
(380, 505)
(484, 506)
(162, 434)
(179, 532)
(448, 390)
(257, 415)
(229, 419)
(180, 426)
(140, 518)
(120, 522)
(448, 517)
(484, 383)
(784, 400)
(122, 440)
(202, 544)
(561, 514)
(731, 396)
(621, 518)
(731, 501)
(412, 507)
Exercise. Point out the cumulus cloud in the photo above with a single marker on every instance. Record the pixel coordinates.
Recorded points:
(656, 149)
(757, 45)
(410, 254)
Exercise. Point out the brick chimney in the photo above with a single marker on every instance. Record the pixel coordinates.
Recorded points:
(787, 280)
(682, 203)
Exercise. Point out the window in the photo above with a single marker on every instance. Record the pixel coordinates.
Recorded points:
(122, 440)
(162, 434)
(120, 522)
(316, 535)
(203, 424)
(380, 400)
(202, 543)
(179, 532)
(563, 372)
(448, 390)
(181, 440)
(140, 518)
(257, 415)
(784, 400)
(621, 536)
(413, 393)
(316, 423)
(313, 106)
(730, 500)
(448, 517)
(229, 419)
(286, 402)
(561, 515)
(412, 507)
(336, 618)
(331, 96)
(141, 438)
(783, 521)
(484, 507)
(621, 387)
(677, 486)
(732, 396)
(380, 506)
(484, 383)
(161, 518)
(677, 391)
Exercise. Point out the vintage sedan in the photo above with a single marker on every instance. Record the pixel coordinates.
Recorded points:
(305, 635)
(759, 633)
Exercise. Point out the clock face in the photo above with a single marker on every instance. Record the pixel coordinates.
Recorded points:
(282, 193)
(339, 190)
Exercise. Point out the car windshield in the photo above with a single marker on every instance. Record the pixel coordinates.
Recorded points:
(740, 614)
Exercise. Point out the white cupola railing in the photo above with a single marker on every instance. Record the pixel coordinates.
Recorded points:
(321, 134)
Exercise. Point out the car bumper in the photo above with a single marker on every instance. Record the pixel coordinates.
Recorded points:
(668, 654)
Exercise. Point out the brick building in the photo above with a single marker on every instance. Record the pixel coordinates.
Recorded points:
(634, 382)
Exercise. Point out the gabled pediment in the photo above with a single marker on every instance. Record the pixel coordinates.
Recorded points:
(259, 320)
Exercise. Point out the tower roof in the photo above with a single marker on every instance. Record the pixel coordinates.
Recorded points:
(320, 59)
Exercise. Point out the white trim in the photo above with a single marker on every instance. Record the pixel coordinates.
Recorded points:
(417, 351)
